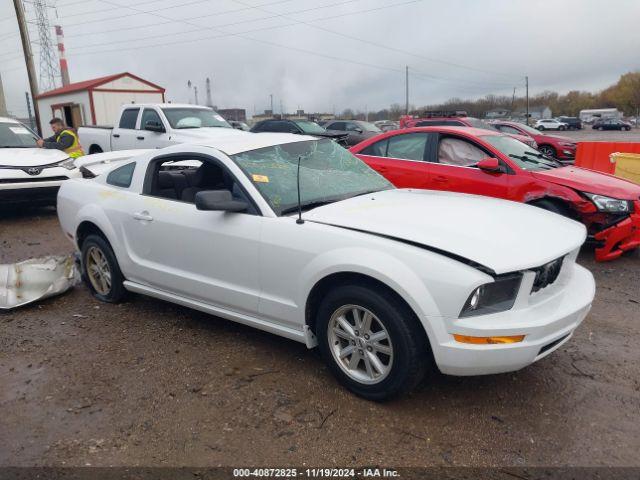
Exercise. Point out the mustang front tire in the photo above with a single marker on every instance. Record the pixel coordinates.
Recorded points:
(100, 270)
(371, 342)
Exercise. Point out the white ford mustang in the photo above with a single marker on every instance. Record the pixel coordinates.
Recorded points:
(386, 282)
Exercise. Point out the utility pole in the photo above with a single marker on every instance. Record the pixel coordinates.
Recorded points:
(526, 80)
(271, 100)
(26, 94)
(49, 71)
(195, 93)
(406, 85)
(3, 104)
(28, 58)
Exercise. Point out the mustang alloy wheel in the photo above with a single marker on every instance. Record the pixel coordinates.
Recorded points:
(372, 341)
(360, 344)
(100, 270)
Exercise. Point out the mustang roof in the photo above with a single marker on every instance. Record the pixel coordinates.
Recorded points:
(233, 144)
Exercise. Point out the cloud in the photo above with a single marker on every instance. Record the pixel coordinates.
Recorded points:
(573, 44)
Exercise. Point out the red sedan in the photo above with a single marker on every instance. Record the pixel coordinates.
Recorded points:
(556, 146)
(486, 162)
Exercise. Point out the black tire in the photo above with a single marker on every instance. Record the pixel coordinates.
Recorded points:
(548, 150)
(541, 128)
(627, 129)
(554, 207)
(116, 292)
(562, 128)
(411, 353)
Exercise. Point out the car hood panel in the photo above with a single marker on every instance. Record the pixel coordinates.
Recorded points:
(501, 235)
(585, 180)
(30, 157)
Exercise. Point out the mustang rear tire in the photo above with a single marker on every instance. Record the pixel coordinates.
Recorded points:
(371, 342)
(100, 270)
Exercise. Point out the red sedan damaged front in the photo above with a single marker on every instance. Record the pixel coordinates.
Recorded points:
(455, 159)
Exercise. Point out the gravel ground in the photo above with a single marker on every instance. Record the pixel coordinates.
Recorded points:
(148, 383)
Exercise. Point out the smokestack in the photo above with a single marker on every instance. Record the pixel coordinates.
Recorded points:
(64, 68)
(209, 100)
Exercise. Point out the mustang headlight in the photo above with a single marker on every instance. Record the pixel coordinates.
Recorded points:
(493, 297)
(69, 164)
(610, 205)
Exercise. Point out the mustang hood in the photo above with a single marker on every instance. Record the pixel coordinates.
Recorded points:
(585, 180)
(30, 157)
(501, 235)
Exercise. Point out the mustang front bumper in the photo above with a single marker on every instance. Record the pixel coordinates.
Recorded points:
(546, 318)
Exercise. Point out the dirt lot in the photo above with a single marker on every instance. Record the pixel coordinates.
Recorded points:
(148, 383)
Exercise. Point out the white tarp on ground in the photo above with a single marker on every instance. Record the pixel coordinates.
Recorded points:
(35, 279)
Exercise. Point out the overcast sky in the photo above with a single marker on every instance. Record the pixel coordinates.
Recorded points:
(333, 54)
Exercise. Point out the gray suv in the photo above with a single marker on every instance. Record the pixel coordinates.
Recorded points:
(356, 130)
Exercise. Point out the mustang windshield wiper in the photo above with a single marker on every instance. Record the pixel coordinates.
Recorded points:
(306, 206)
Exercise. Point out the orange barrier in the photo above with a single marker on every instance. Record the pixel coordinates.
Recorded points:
(595, 155)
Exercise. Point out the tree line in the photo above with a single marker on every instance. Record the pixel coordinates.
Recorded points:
(623, 95)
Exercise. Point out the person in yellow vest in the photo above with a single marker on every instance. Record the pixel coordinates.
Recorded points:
(64, 138)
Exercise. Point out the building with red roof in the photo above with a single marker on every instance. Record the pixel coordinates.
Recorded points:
(96, 101)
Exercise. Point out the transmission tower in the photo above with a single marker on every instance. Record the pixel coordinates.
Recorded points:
(49, 71)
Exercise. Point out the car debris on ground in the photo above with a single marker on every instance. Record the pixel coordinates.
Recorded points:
(36, 279)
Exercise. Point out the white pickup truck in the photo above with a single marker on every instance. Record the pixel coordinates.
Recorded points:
(142, 126)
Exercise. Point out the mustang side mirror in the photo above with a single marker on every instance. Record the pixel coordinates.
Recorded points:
(154, 126)
(219, 200)
(489, 164)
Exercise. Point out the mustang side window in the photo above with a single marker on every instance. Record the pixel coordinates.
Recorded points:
(122, 176)
(455, 151)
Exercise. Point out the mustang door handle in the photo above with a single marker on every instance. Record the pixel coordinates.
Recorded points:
(143, 216)
(140, 138)
(116, 135)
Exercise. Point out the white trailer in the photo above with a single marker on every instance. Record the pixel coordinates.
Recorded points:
(590, 116)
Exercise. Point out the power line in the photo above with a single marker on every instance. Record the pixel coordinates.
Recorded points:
(138, 4)
(150, 12)
(274, 44)
(375, 44)
(215, 27)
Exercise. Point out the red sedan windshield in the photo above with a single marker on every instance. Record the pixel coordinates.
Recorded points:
(524, 156)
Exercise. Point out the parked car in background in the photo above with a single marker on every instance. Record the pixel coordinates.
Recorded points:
(29, 174)
(387, 125)
(554, 146)
(573, 123)
(239, 125)
(155, 125)
(355, 130)
(611, 124)
(387, 283)
(298, 127)
(483, 162)
(456, 119)
(550, 124)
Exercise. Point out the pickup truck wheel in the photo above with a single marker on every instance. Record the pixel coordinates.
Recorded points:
(100, 270)
(371, 342)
